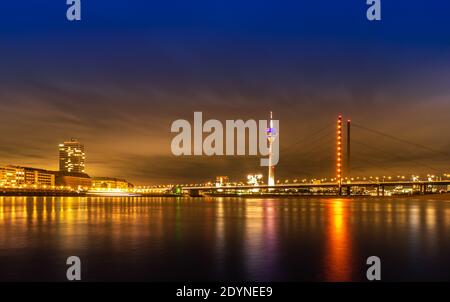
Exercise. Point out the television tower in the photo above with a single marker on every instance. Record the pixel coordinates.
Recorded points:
(271, 136)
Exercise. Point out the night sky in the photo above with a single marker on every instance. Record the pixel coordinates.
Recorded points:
(117, 80)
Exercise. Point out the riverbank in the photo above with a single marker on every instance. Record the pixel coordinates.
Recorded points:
(78, 194)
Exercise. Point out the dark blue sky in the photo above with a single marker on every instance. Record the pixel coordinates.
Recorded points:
(119, 77)
(413, 23)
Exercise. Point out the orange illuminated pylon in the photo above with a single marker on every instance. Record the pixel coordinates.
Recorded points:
(339, 151)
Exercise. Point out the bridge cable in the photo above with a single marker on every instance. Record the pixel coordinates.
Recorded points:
(397, 157)
(305, 138)
(400, 140)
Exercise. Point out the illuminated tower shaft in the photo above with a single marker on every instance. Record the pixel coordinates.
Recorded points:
(271, 136)
(348, 167)
(339, 152)
(271, 178)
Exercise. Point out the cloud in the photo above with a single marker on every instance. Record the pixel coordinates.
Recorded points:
(119, 97)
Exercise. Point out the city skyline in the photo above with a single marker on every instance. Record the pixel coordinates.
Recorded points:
(120, 85)
(72, 163)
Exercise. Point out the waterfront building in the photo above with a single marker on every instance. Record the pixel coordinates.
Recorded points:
(110, 183)
(8, 177)
(72, 157)
(74, 180)
(11, 176)
(254, 179)
(222, 181)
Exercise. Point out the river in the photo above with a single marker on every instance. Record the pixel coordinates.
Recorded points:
(223, 239)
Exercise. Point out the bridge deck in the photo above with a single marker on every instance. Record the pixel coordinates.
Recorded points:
(326, 184)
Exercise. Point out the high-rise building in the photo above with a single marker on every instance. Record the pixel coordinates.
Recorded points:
(72, 157)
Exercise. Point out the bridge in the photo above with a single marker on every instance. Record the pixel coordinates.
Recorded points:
(339, 189)
(359, 152)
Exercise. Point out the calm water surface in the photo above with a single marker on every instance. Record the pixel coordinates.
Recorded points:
(221, 239)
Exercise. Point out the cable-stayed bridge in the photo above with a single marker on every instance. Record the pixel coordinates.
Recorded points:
(337, 146)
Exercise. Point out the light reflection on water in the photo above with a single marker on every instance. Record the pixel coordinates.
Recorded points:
(337, 263)
(201, 239)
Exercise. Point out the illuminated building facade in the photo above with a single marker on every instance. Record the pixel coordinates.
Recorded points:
(11, 176)
(8, 177)
(254, 179)
(72, 157)
(74, 180)
(110, 183)
(222, 181)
